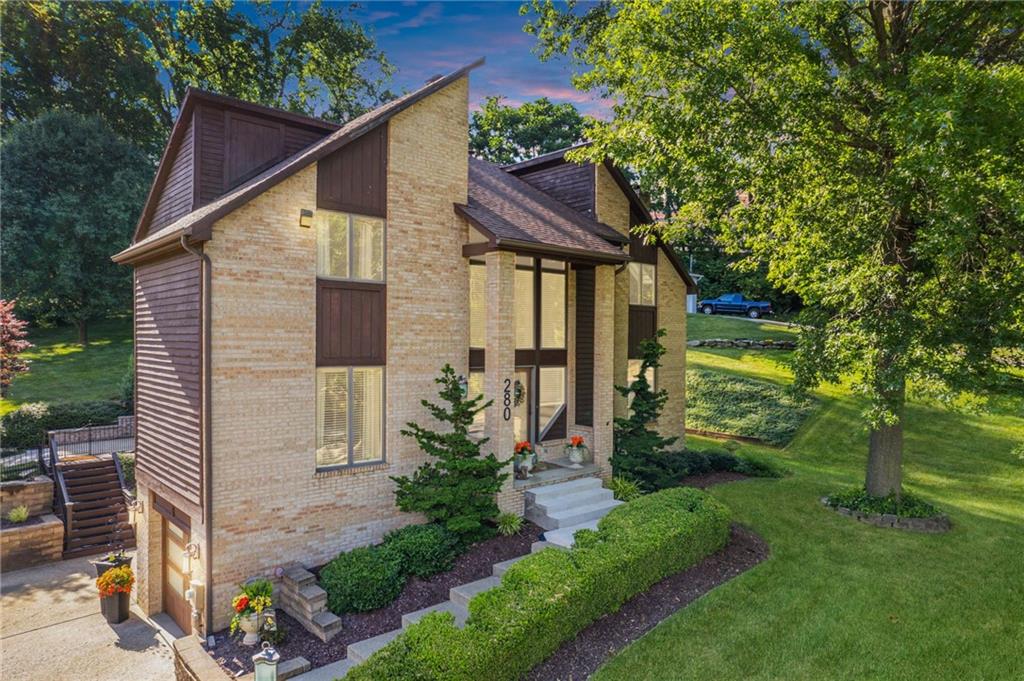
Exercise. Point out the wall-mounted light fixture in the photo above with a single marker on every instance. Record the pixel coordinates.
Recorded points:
(191, 552)
(134, 510)
(305, 218)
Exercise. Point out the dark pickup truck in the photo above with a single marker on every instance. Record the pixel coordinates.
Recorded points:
(735, 303)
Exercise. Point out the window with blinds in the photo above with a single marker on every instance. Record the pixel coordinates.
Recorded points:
(642, 283)
(477, 305)
(349, 246)
(552, 303)
(476, 389)
(524, 307)
(349, 416)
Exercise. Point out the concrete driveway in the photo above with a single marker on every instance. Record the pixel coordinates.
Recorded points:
(51, 629)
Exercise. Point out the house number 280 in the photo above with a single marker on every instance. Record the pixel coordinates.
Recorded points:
(507, 400)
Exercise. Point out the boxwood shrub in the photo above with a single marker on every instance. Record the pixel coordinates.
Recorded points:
(549, 597)
(26, 426)
(423, 550)
(363, 579)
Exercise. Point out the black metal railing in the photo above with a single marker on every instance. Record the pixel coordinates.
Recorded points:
(21, 465)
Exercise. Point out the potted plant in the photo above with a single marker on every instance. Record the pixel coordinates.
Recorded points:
(250, 605)
(115, 587)
(525, 458)
(116, 558)
(577, 451)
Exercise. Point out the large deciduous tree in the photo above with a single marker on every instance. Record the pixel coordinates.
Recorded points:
(112, 59)
(881, 145)
(71, 193)
(502, 133)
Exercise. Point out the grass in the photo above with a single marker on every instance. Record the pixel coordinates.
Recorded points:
(702, 327)
(841, 600)
(63, 371)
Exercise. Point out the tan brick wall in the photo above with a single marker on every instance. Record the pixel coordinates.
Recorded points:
(148, 554)
(40, 540)
(36, 495)
(604, 364)
(270, 506)
(672, 372)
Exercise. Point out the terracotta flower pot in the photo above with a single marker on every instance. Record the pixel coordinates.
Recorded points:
(115, 607)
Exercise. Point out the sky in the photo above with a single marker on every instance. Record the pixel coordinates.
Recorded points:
(423, 39)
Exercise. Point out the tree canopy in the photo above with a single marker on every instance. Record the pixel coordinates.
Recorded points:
(112, 59)
(502, 133)
(71, 193)
(881, 146)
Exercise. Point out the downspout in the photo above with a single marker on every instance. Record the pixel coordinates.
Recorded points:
(207, 272)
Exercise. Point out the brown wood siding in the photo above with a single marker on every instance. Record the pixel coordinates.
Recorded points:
(571, 184)
(253, 144)
(641, 252)
(585, 346)
(354, 178)
(211, 142)
(177, 194)
(167, 365)
(350, 323)
(642, 324)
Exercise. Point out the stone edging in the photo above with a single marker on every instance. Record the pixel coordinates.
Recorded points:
(744, 343)
(193, 663)
(936, 524)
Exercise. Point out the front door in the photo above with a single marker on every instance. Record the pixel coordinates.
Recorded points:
(175, 581)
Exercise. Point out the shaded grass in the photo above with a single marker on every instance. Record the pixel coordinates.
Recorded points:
(702, 327)
(839, 599)
(63, 371)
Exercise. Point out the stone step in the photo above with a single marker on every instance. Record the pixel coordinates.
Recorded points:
(360, 650)
(455, 609)
(499, 568)
(329, 672)
(326, 625)
(463, 593)
(313, 595)
(563, 537)
(299, 576)
(548, 492)
(289, 669)
(538, 546)
(585, 497)
(580, 514)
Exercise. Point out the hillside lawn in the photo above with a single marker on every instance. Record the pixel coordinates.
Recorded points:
(838, 599)
(63, 371)
(702, 326)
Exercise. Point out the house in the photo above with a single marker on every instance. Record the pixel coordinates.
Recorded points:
(299, 285)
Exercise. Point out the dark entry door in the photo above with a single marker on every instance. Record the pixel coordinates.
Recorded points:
(175, 582)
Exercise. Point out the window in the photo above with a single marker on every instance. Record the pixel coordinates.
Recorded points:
(476, 389)
(641, 283)
(477, 305)
(524, 304)
(551, 397)
(349, 246)
(349, 416)
(552, 303)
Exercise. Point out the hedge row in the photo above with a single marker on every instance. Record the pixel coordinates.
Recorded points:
(547, 598)
(26, 426)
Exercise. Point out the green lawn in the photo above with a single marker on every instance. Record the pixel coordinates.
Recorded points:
(63, 371)
(842, 600)
(701, 326)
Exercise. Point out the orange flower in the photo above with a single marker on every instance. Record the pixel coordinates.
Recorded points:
(523, 446)
(576, 441)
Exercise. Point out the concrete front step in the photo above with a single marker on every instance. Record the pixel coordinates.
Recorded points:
(463, 593)
(500, 568)
(455, 609)
(360, 650)
(539, 495)
(574, 515)
(330, 672)
(586, 497)
(538, 546)
(563, 537)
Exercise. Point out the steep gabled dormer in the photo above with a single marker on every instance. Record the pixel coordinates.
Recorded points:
(218, 143)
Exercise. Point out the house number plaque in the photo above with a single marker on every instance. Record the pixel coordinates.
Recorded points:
(507, 400)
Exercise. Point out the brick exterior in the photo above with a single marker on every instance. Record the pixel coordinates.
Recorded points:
(36, 495)
(672, 372)
(39, 540)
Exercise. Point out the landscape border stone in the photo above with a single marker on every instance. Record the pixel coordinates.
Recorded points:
(934, 525)
(743, 343)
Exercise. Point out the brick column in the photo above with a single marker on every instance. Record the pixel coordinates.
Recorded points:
(620, 304)
(148, 555)
(605, 347)
(500, 361)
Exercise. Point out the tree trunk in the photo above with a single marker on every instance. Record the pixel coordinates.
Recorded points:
(83, 332)
(885, 456)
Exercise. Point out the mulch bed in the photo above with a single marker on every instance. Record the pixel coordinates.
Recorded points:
(579, 658)
(475, 564)
(705, 480)
(6, 524)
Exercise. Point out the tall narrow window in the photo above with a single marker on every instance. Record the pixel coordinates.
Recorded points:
(552, 301)
(477, 305)
(551, 397)
(349, 246)
(476, 389)
(331, 417)
(349, 416)
(641, 283)
(524, 303)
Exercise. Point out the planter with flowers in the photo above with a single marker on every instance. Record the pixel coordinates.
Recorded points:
(110, 561)
(577, 451)
(252, 605)
(115, 587)
(525, 459)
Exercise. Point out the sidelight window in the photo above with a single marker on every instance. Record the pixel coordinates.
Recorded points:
(349, 246)
(349, 416)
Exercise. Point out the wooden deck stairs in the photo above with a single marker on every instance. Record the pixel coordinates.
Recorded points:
(91, 492)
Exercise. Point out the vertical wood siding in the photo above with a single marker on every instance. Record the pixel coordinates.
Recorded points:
(571, 184)
(167, 365)
(642, 325)
(176, 198)
(354, 178)
(350, 323)
(585, 346)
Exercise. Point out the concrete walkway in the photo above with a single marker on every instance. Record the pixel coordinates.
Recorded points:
(51, 628)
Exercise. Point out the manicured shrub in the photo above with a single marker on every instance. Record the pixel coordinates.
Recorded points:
(509, 524)
(906, 506)
(624, 489)
(757, 466)
(362, 579)
(127, 461)
(26, 426)
(722, 403)
(547, 598)
(423, 550)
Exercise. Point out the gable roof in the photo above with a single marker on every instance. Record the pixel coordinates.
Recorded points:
(198, 224)
(515, 214)
(637, 204)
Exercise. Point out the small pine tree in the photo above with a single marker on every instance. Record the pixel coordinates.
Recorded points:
(639, 449)
(12, 344)
(458, 489)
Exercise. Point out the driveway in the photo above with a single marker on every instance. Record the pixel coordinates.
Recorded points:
(51, 628)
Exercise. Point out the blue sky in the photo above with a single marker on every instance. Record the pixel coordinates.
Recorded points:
(423, 39)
